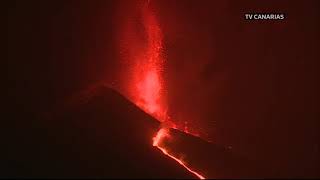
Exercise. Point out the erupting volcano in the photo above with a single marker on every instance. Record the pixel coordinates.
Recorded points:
(147, 87)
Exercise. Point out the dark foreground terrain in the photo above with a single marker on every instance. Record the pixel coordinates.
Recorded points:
(99, 133)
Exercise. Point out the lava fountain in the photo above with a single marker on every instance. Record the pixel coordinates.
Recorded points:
(147, 87)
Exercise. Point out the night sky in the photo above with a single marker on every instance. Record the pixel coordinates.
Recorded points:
(249, 85)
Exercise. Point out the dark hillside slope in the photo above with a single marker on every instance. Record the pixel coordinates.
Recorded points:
(99, 134)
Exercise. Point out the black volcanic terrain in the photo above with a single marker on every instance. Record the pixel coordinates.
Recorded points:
(97, 134)
(212, 160)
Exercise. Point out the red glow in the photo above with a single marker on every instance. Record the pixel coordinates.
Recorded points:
(147, 85)
(148, 89)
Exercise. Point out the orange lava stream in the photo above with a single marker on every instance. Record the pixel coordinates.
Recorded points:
(162, 133)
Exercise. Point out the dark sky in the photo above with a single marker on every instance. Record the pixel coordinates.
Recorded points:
(252, 85)
(57, 47)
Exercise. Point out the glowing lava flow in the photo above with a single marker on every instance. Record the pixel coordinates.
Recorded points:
(162, 133)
